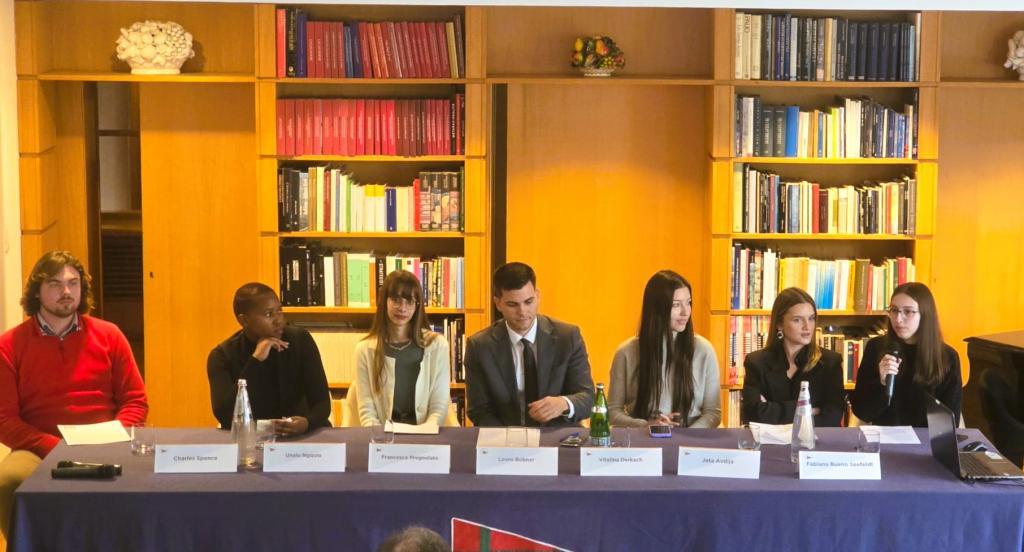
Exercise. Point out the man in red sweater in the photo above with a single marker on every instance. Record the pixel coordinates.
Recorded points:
(59, 366)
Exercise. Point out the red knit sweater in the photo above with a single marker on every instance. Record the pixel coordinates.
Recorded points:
(89, 377)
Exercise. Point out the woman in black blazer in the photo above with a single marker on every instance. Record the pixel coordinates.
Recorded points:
(773, 374)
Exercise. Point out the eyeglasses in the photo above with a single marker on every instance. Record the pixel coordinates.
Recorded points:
(907, 313)
(402, 301)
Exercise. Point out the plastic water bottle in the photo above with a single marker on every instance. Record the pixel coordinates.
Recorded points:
(243, 428)
(803, 424)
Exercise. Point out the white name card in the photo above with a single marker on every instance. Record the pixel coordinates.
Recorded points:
(517, 461)
(839, 465)
(222, 458)
(719, 462)
(410, 458)
(599, 461)
(304, 457)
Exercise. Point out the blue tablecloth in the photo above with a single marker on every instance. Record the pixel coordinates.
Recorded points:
(918, 504)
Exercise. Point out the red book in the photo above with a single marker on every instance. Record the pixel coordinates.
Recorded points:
(327, 127)
(310, 49)
(377, 51)
(343, 131)
(339, 37)
(316, 145)
(289, 131)
(391, 41)
(458, 124)
(405, 53)
(338, 124)
(400, 128)
(418, 51)
(371, 127)
(392, 130)
(360, 136)
(365, 51)
(300, 127)
(815, 191)
(330, 66)
(382, 51)
(318, 29)
(441, 35)
(309, 117)
(282, 137)
(421, 127)
(431, 48)
(414, 204)
(279, 23)
(444, 126)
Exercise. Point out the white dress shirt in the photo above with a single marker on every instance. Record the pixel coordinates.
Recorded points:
(518, 348)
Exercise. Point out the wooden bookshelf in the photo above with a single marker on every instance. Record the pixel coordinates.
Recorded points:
(639, 164)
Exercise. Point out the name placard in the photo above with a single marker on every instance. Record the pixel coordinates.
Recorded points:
(599, 461)
(221, 458)
(517, 461)
(410, 458)
(719, 462)
(839, 465)
(304, 457)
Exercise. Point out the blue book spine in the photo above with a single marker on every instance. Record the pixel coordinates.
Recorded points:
(347, 33)
(391, 198)
(735, 276)
(821, 135)
(793, 209)
(792, 129)
(357, 57)
(300, 43)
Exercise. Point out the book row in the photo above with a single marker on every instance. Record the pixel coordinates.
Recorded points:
(840, 284)
(763, 203)
(315, 276)
(337, 348)
(371, 126)
(328, 199)
(368, 49)
(798, 48)
(855, 128)
(750, 333)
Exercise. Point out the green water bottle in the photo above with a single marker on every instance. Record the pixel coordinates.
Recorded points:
(600, 433)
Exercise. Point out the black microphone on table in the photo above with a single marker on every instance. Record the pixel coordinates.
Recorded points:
(69, 469)
(893, 349)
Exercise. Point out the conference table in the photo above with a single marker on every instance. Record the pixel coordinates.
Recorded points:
(917, 505)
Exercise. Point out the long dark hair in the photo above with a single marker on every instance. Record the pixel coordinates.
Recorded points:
(787, 299)
(400, 284)
(655, 334)
(47, 267)
(931, 366)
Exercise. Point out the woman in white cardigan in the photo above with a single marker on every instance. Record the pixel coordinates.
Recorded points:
(666, 375)
(402, 368)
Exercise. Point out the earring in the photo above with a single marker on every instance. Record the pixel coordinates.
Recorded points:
(778, 334)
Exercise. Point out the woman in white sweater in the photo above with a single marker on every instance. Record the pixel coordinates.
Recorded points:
(402, 368)
(666, 375)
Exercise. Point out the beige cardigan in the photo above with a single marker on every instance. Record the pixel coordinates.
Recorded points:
(432, 393)
(706, 410)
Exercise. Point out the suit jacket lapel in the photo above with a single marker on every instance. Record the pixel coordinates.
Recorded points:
(545, 349)
(503, 360)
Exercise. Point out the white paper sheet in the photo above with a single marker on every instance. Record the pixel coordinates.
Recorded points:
(508, 437)
(768, 434)
(94, 434)
(895, 435)
(429, 428)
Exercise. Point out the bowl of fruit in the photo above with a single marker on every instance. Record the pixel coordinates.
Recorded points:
(597, 56)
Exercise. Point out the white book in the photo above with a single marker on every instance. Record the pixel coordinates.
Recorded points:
(755, 46)
(329, 299)
(738, 47)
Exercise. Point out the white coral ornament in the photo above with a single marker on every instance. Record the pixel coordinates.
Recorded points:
(155, 47)
(1015, 54)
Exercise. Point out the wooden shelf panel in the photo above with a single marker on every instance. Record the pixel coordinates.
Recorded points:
(359, 310)
(372, 158)
(364, 81)
(375, 235)
(818, 237)
(982, 83)
(618, 80)
(112, 76)
(821, 312)
(826, 160)
(828, 84)
(849, 386)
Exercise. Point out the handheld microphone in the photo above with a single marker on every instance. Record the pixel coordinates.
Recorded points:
(77, 464)
(103, 471)
(890, 380)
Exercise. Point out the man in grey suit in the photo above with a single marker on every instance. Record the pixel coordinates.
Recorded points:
(526, 369)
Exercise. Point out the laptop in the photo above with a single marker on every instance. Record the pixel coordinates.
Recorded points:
(986, 465)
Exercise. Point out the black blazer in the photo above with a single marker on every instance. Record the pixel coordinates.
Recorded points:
(909, 405)
(301, 386)
(766, 376)
(562, 370)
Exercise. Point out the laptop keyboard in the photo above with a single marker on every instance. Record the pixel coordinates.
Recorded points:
(975, 468)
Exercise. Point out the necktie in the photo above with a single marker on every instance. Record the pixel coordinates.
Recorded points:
(529, 372)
